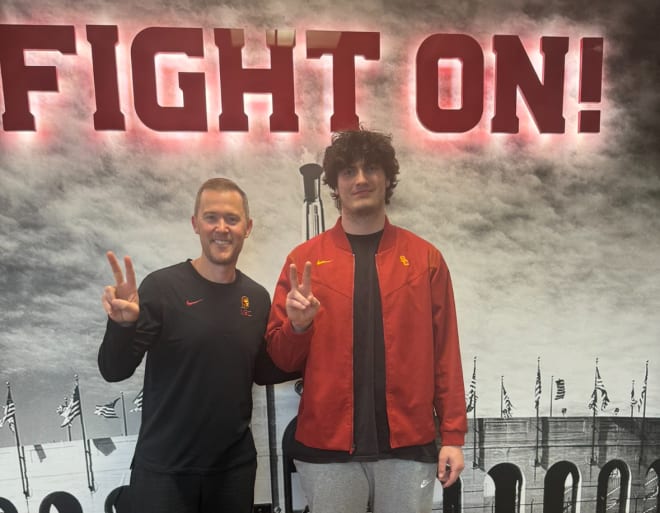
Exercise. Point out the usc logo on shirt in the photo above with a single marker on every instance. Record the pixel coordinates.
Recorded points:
(245, 307)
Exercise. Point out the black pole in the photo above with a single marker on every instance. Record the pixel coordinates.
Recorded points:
(642, 434)
(475, 458)
(272, 447)
(123, 412)
(88, 452)
(632, 397)
(313, 218)
(501, 397)
(593, 422)
(538, 378)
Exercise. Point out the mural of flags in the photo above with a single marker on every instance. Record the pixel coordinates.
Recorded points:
(107, 411)
(593, 400)
(642, 395)
(472, 390)
(561, 389)
(599, 386)
(62, 407)
(138, 402)
(71, 410)
(9, 418)
(9, 413)
(508, 405)
(537, 386)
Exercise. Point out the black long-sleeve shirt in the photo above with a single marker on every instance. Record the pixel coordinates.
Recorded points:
(205, 348)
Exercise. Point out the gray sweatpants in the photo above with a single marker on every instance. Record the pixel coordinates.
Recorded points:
(387, 486)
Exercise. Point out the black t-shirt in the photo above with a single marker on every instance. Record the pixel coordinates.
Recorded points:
(203, 342)
(371, 430)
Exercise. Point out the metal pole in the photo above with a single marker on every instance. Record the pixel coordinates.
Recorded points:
(21, 452)
(632, 396)
(88, 453)
(593, 423)
(501, 397)
(475, 458)
(123, 410)
(642, 434)
(536, 457)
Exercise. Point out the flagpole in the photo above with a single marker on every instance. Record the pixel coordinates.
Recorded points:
(646, 377)
(475, 459)
(538, 375)
(632, 397)
(593, 421)
(20, 450)
(123, 410)
(88, 452)
(643, 428)
(501, 397)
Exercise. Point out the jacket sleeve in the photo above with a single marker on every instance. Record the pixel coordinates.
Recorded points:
(449, 397)
(123, 348)
(267, 373)
(287, 348)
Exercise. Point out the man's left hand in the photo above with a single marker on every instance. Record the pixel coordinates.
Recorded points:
(450, 464)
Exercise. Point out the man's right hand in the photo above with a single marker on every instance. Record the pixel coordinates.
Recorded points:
(121, 301)
(301, 304)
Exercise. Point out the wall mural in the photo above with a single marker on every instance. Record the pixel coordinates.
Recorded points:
(527, 137)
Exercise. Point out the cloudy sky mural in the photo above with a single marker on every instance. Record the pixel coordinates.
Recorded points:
(552, 239)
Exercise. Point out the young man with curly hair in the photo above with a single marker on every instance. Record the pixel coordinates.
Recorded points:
(372, 327)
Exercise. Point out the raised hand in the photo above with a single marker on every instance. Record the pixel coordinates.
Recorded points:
(301, 305)
(121, 301)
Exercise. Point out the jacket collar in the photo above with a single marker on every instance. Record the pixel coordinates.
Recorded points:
(338, 236)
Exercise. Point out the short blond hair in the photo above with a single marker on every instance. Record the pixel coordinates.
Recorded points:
(222, 185)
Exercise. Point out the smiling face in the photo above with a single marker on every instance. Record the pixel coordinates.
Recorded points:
(361, 189)
(222, 225)
(368, 148)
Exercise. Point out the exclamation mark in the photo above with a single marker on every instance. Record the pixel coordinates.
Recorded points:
(591, 78)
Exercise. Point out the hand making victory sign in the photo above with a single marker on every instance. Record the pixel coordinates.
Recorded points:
(301, 305)
(121, 301)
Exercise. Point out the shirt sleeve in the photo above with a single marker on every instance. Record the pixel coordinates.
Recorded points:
(123, 347)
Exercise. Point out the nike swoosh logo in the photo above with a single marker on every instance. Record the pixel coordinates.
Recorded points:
(321, 262)
(425, 483)
(191, 303)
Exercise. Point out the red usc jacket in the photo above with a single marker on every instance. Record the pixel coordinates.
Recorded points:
(423, 372)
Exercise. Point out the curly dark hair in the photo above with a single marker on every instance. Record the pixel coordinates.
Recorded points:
(350, 146)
